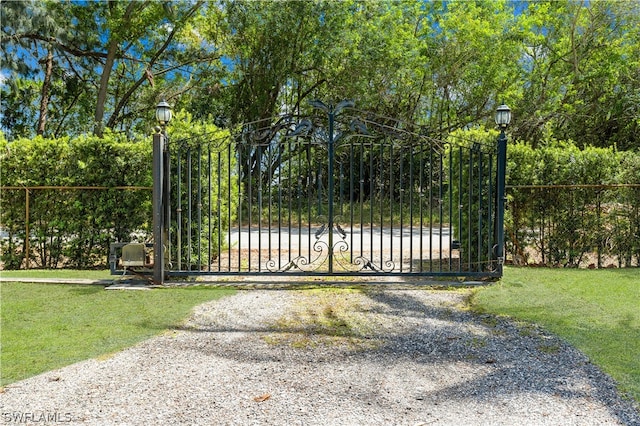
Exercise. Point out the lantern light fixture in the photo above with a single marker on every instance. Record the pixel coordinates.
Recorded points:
(163, 112)
(503, 116)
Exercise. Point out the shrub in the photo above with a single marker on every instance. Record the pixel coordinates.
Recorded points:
(565, 223)
(72, 227)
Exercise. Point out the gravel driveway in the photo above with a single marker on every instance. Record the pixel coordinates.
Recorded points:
(330, 357)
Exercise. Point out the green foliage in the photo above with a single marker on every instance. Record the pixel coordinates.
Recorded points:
(568, 69)
(577, 64)
(73, 227)
(564, 224)
(624, 216)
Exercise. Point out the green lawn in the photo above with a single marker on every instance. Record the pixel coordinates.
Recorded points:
(47, 326)
(58, 273)
(597, 311)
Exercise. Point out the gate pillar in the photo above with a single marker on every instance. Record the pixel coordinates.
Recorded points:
(503, 118)
(159, 148)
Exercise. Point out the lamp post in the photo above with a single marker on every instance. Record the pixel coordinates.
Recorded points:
(503, 118)
(160, 188)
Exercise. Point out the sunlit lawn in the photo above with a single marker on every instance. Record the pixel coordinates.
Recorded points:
(47, 326)
(597, 311)
(58, 273)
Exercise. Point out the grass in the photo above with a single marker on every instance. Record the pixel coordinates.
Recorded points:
(47, 326)
(597, 311)
(323, 317)
(58, 273)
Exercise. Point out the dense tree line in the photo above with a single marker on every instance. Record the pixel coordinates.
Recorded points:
(568, 69)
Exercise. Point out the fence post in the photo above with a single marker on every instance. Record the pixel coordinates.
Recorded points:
(501, 178)
(158, 211)
(27, 243)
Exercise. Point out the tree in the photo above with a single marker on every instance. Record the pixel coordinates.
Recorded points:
(139, 42)
(19, 20)
(578, 73)
(567, 69)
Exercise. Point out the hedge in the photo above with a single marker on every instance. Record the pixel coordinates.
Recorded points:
(577, 202)
(74, 227)
(566, 206)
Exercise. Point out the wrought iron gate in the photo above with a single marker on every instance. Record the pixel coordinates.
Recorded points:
(338, 193)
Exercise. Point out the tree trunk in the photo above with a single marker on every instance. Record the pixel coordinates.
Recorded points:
(104, 85)
(112, 51)
(44, 98)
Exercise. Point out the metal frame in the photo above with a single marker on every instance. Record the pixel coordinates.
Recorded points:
(338, 193)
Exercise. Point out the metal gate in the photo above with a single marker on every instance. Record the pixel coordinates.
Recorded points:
(337, 193)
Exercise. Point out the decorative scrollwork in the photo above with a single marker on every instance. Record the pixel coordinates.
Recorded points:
(302, 263)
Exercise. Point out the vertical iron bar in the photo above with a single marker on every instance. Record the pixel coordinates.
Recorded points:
(167, 203)
(179, 209)
(269, 199)
(362, 198)
(259, 164)
(371, 200)
(411, 183)
(238, 150)
(331, 189)
(229, 209)
(219, 208)
(460, 207)
(309, 204)
(279, 171)
(441, 205)
(209, 213)
(450, 206)
(470, 208)
(300, 201)
(480, 178)
(319, 185)
(199, 205)
(381, 195)
(421, 209)
(341, 188)
(290, 193)
(351, 200)
(490, 210)
(391, 185)
(270, 149)
(189, 203)
(249, 179)
(401, 200)
(431, 209)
